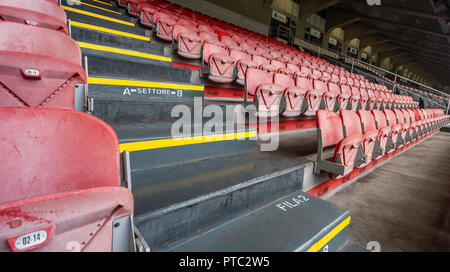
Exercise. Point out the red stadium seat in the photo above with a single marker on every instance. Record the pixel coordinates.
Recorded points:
(267, 95)
(384, 132)
(70, 193)
(352, 126)
(328, 97)
(304, 72)
(404, 132)
(344, 98)
(260, 60)
(326, 76)
(40, 67)
(314, 97)
(35, 13)
(293, 97)
(164, 25)
(146, 11)
(243, 62)
(348, 151)
(132, 7)
(335, 79)
(220, 67)
(188, 42)
(316, 74)
(396, 129)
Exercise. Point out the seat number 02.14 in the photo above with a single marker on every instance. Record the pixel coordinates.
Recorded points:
(31, 239)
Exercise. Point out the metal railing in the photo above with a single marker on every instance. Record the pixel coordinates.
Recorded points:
(350, 63)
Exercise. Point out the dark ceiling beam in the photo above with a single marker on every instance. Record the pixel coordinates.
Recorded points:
(438, 34)
(415, 37)
(403, 10)
(401, 54)
(372, 40)
(421, 54)
(336, 18)
(352, 31)
(388, 54)
(384, 48)
(421, 48)
(309, 7)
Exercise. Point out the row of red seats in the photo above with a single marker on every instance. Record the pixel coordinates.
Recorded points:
(60, 168)
(281, 93)
(224, 65)
(362, 136)
(226, 56)
(191, 30)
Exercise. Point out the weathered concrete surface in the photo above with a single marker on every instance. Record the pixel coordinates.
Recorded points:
(405, 204)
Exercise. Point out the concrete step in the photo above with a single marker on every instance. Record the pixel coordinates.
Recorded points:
(178, 201)
(155, 145)
(121, 48)
(297, 222)
(92, 13)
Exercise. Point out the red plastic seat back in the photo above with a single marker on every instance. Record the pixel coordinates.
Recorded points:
(208, 36)
(400, 117)
(54, 150)
(330, 125)
(293, 67)
(390, 116)
(346, 90)
(406, 115)
(254, 78)
(37, 13)
(209, 49)
(351, 123)
(320, 86)
(334, 88)
(304, 83)
(367, 120)
(283, 80)
(259, 60)
(239, 55)
(380, 118)
(277, 64)
(40, 67)
(180, 29)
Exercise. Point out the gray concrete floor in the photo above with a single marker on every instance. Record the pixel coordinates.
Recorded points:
(404, 205)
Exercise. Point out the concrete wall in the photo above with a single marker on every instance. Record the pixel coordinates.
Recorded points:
(249, 14)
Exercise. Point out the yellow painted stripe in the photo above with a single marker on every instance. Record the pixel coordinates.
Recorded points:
(89, 5)
(104, 3)
(154, 144)
(144, 84)
(112, 31)
(122, 51)
(87, 13)
(327, 238)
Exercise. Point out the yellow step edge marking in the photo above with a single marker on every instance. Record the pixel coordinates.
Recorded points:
(327, 238)
(89, 5)
(154, 144)
(104, 3)
(123, 51)
(144, 84)
(97, 16)
(112, 31)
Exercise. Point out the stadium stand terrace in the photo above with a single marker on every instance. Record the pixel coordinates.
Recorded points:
(92, 93)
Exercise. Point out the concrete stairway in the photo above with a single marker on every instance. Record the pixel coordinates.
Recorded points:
(206, 190)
